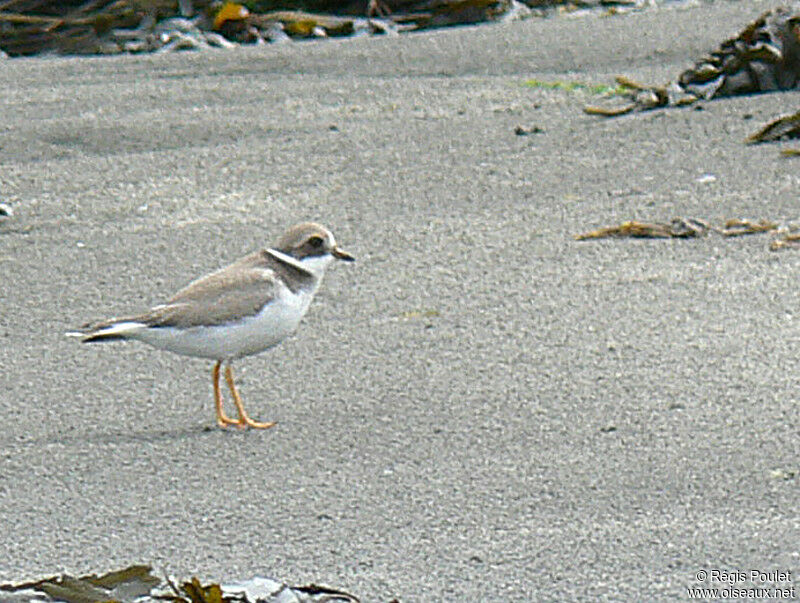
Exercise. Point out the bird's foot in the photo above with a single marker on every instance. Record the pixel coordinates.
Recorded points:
(224, 421)
(245, 422)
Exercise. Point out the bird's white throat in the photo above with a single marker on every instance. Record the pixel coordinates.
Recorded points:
(316, 264)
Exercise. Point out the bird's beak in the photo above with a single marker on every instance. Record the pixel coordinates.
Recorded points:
(341, 254)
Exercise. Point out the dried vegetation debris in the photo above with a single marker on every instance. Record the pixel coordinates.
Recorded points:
(787, 126)
(138, 584)
(30, 27)
(764, 57)
(123, 585)
(284, 25)
(115, 26)
(686, 228)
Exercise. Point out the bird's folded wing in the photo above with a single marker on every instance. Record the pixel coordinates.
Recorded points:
(238, 291)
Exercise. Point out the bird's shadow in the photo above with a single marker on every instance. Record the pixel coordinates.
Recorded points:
(117, 436)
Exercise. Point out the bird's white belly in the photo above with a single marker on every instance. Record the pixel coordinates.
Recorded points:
(248, 336)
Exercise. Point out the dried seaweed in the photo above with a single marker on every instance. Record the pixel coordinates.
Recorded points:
(679, 228)
(137, 584)
(765, 56)
(787, 126)
(738, 227)
(114, 26)
(122, 585)
(789, 240)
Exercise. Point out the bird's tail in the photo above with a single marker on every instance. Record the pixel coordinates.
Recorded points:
(107, 331)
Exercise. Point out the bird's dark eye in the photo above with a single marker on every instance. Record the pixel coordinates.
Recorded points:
(315, 242)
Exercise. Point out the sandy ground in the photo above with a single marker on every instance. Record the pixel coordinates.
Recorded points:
(480, 408)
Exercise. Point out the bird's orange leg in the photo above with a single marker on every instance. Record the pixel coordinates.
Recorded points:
(244, 420)
(222, 420)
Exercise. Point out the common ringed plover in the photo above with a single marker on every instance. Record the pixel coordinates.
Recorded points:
(241, 310)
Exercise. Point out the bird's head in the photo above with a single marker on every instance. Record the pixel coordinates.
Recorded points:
(313, 245)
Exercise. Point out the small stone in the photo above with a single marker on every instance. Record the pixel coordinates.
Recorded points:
(520, 131)
(783, 474)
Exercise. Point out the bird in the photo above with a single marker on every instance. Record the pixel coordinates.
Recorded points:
(240, 310)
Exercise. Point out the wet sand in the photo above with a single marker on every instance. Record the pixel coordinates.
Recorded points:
(480, 408)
